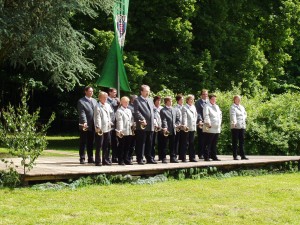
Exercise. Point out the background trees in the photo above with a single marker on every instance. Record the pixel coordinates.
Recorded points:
(182, 45)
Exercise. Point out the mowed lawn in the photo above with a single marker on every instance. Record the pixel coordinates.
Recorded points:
(270, 199)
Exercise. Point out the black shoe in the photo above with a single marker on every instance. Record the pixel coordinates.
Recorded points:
(174, 161)
(128, 162)
(82, 161)
(114, 160)
(216, 159)
(201, 157)
(98, 164)
(91, 161)
(106, 163)
(244, 158)
(235, 158)
(207, 160)
(164, 161)
(140, 162)
(121, 163)
(183, 160)
(193, 160)
(151, 161)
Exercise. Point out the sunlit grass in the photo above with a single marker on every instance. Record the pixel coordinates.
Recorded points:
(270, 199)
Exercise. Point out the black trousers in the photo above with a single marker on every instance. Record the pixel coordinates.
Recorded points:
(86, 141)
(157, 136)
(200, 137)
(132, 147)
(102, 142)
(123, 148)
(188, 139)
(238, 137)
(178, 141)
(114, 144)
(171, 140)
(143, 144)
(210, 145)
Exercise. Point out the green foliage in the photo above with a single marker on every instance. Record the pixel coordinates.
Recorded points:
(273, 123)
(39, 35)
(23, 135)
(9, 177)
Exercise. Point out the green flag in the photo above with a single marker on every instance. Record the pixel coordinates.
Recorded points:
(113, 73)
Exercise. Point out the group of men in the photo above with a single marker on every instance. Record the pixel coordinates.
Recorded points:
(138, 123)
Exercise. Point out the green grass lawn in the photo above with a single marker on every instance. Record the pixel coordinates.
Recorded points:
(68, 144)
(270, 199)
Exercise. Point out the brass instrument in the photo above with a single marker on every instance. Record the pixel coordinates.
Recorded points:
(119, 134)
(185, 128)
(207, 126)
(83, 127)
(133, 128)
(157, 129)
(99, 132)
(142, 125)
(178, 128)
(166, 133)
(200, 124)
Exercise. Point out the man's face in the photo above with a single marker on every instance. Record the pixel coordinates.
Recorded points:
(145, 93)
(89, 93)
(169, 103)
(204, 95)
(113, 94)
(213, 100)
(180, 101)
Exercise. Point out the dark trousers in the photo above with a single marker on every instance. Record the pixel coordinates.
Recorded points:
(238, 137)
(188, 144)
(200, 137)
(171, 140)
(210, 145)
(132, 147)
(102, 142)
(86, 140)
(114, 144)
(178, 141)
(157, 136)
(143, 144)
(123, 148)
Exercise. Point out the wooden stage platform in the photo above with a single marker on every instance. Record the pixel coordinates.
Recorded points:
(63, 168)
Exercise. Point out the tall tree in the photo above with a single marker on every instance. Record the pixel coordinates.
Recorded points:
(38, 36)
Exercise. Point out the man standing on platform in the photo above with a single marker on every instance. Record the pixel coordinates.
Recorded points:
(169, 120)
(85, 107)
(144, 118)
(114, 103)
(200, 103)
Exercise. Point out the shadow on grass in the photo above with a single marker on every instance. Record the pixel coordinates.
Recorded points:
(63, 143)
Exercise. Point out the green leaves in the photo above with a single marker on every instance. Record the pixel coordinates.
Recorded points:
(23, 134)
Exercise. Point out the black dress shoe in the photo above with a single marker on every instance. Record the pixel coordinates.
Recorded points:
(106, 163)
(151, 161)
(141, 162)
(235, 158)
(244, 158)
(216, 159)
(201, 157)
(174, 161)
(193, 160)
(128, 162)
(82, 161)
(207, 160)
(183, 160)
(91, 161)
(121, 163)
(98, 164)
(114, 160)
(164, 161)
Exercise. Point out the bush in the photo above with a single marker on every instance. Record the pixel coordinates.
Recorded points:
(273, 123)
